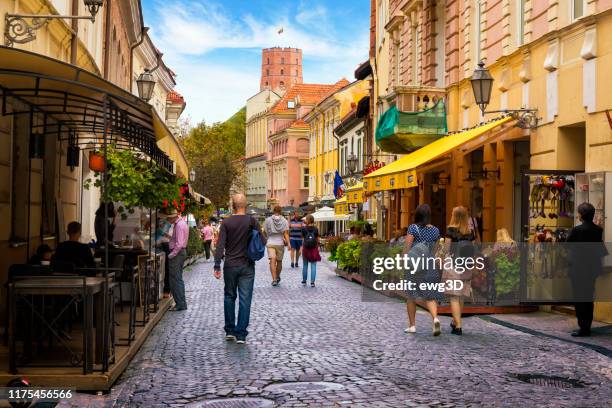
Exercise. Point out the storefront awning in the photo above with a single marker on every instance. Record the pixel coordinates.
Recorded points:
(168, 143)
(340, 206)
(402, 173)
(355, 194)
(327, 214)
(76, 105)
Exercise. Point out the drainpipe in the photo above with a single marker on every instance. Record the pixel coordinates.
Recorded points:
(74, 42)
(107, 44)
(143, 32)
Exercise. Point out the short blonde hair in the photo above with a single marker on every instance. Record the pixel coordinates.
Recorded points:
(504, 237)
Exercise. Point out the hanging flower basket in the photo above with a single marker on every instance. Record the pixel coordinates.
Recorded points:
(97, 162)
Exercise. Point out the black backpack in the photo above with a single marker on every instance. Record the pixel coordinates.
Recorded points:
(310, 239)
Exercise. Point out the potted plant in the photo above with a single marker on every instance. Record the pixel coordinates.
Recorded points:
(97, 162)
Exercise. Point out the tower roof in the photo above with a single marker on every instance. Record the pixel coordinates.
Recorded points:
(308, 94)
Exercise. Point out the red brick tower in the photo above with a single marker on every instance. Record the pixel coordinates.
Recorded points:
(280, 68)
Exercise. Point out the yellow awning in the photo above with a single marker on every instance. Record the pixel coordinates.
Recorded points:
(355, 194)
(402, 173)
(169, 145)
(340, 206)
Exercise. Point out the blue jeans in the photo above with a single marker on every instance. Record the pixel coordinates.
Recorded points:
(177, 285)
(313, 270)
(238, 279)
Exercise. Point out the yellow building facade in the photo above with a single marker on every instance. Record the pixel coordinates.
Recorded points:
(322, 120)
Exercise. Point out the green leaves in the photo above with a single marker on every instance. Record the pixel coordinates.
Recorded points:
(349, 254)
(135, 182)
(213, 151)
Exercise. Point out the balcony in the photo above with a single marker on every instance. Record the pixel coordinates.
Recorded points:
(416, 118)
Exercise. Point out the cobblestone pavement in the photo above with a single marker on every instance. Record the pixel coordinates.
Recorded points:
(329, 334)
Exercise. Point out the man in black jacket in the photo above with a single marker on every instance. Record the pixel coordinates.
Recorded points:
(238, 269)
(586, 266)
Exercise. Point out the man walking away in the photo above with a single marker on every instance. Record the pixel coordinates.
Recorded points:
(586, 266)
(276, 229)
(238, 269)
(295, 238)
(176, 258)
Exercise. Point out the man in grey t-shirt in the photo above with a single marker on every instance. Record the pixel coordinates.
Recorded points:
(276, 229)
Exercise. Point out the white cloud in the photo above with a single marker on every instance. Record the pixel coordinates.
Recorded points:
(213, 92)
(189, 32)
(199, 29)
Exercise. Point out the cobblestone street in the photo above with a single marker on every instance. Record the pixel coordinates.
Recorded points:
(329, 334)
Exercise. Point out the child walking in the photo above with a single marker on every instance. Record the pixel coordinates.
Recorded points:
(310, 252)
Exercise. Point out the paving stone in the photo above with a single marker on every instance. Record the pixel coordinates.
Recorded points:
(330, 334)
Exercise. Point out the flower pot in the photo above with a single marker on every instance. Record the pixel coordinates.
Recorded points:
(97, 162)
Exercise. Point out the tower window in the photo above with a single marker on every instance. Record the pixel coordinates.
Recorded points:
(282, 60)
(268, 61)
(267, 72)
(282, 72)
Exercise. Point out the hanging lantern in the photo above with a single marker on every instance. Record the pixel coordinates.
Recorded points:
(37, 146)
(72, 156)
(145, 84)
(482, 84)
(97, 162)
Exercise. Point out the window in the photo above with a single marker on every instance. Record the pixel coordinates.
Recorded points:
(282, 72)
(382, 21)
(267, 72)
(520, 22)
(282, 61)
(305, 176)
(282, 83)
(577, 9)
(268, 61)
(359, 153)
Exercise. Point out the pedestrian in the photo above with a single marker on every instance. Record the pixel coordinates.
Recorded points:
(276, 230)
(310, 253)
(422, 232)
(176, 258)
(207, 237)
(586, 266)
(105, 214)
(295, 238)
(459, 241)
(163, 233)
(43, 256)
(238, 269)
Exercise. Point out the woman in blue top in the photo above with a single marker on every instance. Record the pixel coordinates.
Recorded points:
(423, 232)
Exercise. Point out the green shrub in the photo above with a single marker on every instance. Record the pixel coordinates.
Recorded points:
(195, 245)
(349, 255)
(331, 246)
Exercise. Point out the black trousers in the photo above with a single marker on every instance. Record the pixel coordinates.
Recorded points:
(207, 248)
(584, 315)
(166, 248)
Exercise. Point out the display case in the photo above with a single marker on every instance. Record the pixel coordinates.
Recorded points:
(549, 199)
(592, 188)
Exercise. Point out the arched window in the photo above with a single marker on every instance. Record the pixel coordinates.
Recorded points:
(282, 72)
(282, 83)
(268, 61)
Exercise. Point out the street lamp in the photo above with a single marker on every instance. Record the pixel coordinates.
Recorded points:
(93, 6)
(327, 176)
(145, 84)
(192, 175)
(21, 28)
(482, 85)
(351, 163)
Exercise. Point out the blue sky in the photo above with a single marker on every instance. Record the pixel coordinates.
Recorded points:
(214, 46)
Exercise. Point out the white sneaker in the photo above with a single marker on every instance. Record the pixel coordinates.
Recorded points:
(411, 329)
(230, 337)
(436, 327)
(241, 341)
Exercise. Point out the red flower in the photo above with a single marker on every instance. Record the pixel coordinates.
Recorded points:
(165, 203)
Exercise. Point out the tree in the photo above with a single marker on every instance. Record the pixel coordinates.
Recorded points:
(212, 151)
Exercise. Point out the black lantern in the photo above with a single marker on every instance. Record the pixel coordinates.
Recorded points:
(93, 6)
(37, 145)
(482, 84)
(72, 156)
(351, 163)
(146, 84)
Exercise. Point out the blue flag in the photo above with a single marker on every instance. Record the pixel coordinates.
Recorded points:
(338, 186)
